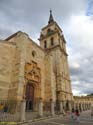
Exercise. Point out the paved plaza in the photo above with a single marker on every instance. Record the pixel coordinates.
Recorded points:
(85, 119)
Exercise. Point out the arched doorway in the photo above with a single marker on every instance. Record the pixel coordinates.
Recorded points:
(29, 96)
(32, 89)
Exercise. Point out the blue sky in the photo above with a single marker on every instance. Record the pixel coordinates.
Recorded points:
(89, 11)
(75, 19)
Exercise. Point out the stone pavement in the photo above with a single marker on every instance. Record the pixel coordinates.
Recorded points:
(85, 119)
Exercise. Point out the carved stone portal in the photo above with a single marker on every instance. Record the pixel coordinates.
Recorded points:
(32, 72)
(32, 88)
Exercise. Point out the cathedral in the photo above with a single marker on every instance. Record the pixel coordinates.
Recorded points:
(31, 72)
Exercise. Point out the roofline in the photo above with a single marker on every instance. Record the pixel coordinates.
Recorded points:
(50, 25)
(13, 35)
(36, 44)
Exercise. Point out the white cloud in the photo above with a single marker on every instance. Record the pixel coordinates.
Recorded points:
(76, 92)
(75, 65)
(79, 33)
(80, 29)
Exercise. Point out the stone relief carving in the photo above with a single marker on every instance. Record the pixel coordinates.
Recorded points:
(32, 72)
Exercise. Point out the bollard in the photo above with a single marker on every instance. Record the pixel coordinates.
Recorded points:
(61, 107)
(52, 107)
(40, 107)
(22, 112)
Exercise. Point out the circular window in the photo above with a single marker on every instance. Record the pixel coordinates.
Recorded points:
(33, 53)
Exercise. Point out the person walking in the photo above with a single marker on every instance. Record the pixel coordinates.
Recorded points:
(5, 108)
(1, 108)
(73, 114)
(77, 115)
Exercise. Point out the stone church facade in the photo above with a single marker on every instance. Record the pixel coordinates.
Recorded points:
(36, 72)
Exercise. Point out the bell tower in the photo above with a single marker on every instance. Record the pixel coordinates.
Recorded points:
(51, 35)
(57, 82)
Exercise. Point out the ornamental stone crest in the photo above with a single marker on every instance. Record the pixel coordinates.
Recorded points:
(32, 72)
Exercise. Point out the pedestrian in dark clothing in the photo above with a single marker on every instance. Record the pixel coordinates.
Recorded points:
(73, 113)
(5, 108)
(77, 114)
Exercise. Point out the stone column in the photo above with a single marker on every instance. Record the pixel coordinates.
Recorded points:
(74, 106)
(40, 107)
(81, 107)
(52, 107)
(84, 107)
(64, 105)
(88, 106)
(61, 107)
(22, 112)
(77, 106)
(69, 103)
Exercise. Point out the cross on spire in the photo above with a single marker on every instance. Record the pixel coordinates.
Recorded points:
(50, 17)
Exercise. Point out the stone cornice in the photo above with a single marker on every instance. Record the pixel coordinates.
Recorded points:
(54, 47)
(48, 35)
(67, 92)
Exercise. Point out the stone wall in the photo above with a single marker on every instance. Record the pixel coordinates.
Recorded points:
(28, 52)
(6, 61)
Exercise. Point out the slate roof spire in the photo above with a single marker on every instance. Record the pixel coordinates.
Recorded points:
(51, 19)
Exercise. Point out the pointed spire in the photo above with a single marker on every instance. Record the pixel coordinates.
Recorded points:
(51, 17)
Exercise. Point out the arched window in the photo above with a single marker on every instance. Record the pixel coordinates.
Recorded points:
(45, 44)
(52, 41)
(33, 53)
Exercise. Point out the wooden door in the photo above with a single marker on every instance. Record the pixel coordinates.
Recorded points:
(29, 97)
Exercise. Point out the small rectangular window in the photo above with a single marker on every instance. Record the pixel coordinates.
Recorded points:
(52, 41)
(45, 44)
